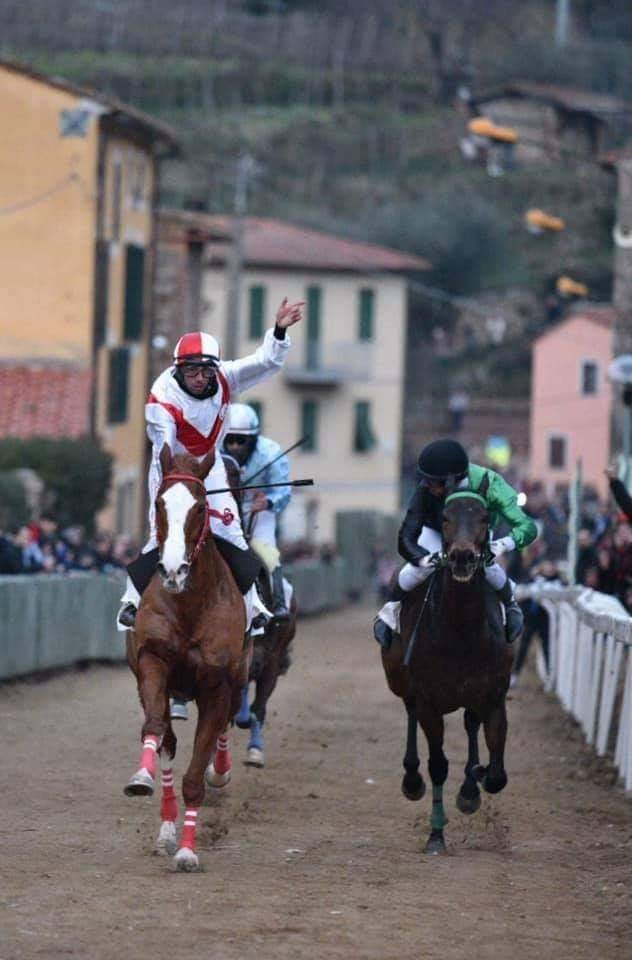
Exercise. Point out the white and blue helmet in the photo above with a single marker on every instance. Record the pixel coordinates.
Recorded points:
(242, 419)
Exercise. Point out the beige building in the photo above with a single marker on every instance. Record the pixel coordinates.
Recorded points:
(342, 386)
(78, 192)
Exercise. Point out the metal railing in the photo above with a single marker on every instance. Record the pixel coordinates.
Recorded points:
(589, 666)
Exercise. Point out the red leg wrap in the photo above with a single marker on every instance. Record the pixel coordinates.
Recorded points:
(169, 803)
(222, 761)
(149, 754)
(188, 830)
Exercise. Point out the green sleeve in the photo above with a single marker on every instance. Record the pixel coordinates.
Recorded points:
(503, 501)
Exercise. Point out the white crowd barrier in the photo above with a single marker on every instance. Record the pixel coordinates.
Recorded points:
(590, 665)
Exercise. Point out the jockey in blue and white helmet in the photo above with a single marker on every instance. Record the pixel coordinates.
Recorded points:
(261, 508)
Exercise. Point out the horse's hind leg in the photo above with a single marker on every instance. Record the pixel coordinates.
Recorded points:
(433, 727)
(495, 727)
(152, 688)
(468, 799)
(413, 786)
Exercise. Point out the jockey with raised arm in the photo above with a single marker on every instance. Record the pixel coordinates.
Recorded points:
(261, 457)
(443, 468)
(187, 409)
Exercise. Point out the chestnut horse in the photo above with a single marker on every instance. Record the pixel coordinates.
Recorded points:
(451, 654)
(188, 638)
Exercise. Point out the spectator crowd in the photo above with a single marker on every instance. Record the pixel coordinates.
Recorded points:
(40, 547)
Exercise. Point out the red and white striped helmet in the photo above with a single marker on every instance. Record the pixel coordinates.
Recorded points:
(197, 347)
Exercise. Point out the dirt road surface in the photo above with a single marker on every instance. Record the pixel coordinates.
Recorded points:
(318, 855)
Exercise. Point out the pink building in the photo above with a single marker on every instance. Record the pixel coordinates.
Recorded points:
(571, 399)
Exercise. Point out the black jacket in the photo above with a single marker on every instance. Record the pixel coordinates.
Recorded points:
(623, 498)
(424, 510)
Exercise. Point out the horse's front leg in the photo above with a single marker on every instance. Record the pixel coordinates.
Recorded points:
(166, 842)
(264, 687)
(152, 689)
(431, 723)
(213, 713)
(495, 727)
(468, 799)
(413, 786)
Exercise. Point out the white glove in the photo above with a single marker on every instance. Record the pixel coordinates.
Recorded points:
(503, 545)
(428, 561)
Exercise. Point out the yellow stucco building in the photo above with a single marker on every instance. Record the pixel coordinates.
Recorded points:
(79, 177)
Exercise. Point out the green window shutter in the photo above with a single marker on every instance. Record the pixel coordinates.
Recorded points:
(365, 317)
(257, 312)
(363, 436)
(134, 283)
(309, 425)
(101, 291)
(257, 406)
(118, 384)
(313, 328)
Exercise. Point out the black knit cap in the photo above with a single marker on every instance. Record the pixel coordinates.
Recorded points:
(442, 460)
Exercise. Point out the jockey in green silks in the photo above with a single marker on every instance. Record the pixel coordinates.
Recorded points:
(444, 468)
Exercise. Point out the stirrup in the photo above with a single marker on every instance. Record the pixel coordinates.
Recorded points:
(127, 615)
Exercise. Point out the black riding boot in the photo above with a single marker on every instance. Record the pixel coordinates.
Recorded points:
(515, 619)
(279, 608)
(127, 615)
(381, 631)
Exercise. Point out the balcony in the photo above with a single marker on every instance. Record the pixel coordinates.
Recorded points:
(329, 365)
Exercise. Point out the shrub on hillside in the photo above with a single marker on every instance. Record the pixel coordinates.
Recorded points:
(76, 474)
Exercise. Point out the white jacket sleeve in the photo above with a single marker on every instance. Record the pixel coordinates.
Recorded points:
(260, 365)
(161, 429)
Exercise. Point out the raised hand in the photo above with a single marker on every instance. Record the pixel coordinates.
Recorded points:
(289, 313)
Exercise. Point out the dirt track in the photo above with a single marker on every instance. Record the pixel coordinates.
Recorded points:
(318, 855)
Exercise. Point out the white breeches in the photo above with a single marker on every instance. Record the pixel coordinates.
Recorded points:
(263, 538)
(410, 575)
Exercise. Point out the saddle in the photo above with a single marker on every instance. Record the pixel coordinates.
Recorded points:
(244, 565)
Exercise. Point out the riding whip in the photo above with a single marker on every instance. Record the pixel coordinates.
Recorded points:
(278, 457)
(263, 486)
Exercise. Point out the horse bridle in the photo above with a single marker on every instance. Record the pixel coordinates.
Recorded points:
(168, 481)
(484, 555)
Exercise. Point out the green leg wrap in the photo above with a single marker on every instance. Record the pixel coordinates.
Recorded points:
(438, 818)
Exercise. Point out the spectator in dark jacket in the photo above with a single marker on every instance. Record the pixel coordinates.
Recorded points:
(619, 492)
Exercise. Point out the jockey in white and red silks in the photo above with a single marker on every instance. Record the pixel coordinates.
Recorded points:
(187, 408)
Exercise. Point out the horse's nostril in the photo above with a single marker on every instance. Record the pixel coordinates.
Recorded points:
(183, 569)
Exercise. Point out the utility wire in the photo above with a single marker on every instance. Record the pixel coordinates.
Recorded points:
(41, 197)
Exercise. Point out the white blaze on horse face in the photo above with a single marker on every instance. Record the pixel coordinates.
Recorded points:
(178, 501)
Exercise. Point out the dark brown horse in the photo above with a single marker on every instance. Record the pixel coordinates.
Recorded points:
(189, 639)
(453, 639)
(271, 654)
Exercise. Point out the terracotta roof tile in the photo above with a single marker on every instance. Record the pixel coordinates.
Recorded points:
(274, 243)
(38, 400)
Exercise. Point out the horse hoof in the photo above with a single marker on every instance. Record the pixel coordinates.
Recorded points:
(167, 843)
(436, 843)
(468, 804)
(494, 784)
(141, 784)
(186, 860)
(215, 780)
(254, 757)
(413, 787)
(243, 722)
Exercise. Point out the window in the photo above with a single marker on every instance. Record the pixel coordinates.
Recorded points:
(118, 385)
(257, 406)
(363, 436)
(134, 283)
(365, 316)
(557, 452)
(590, 378)
(101, 290)
(309, 425)
(257, 312)
(313, 328)
(117, 174)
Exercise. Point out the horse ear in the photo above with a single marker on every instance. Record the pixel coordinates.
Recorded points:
(166, 459)
(205, 465)
(483, 486)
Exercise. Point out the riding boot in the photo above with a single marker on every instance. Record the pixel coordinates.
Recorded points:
(127, 615)
(513, 613)
(382, 632)
(279, 608)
